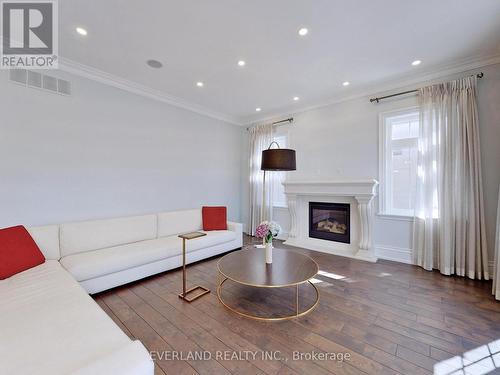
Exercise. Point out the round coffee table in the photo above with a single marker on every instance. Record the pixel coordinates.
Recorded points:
(248, 267)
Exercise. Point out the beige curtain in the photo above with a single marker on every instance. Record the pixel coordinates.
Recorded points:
(260, 139)
(449, 227)
(496, 272)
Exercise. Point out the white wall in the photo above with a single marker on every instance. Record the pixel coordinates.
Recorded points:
(104, 152)
(340, 141)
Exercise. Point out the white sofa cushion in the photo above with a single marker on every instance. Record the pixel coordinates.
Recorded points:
(177, 222)
(66, 330)
(113, 363)
(47, 239)
(91, 264)
(99, 234)
(213, 237)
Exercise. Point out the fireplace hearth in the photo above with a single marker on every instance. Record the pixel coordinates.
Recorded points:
(330, 221)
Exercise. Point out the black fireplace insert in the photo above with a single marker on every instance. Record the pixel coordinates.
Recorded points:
(330, 221)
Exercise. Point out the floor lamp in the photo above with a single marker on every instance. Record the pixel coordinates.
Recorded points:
(275, 159)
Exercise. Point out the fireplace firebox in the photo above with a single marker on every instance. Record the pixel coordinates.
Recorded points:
(330, 221)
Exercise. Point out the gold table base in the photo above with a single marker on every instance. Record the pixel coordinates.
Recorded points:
(185, 295)
(221, 280)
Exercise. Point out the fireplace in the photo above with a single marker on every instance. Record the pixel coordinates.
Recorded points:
(330, 221)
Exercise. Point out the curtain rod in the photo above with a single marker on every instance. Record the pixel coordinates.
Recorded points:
(378, 99)
(277, 123)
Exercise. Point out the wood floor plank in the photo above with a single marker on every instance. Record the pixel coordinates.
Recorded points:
(439, 343)
(194, 331)
(214, 327)
(391, 319)
(274, 341)
(117, 321)
(286, 339)
(416, 358)
(143, 331)
(173, 336)
(283, 337)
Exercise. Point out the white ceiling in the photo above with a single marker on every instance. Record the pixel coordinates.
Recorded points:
(365, 42)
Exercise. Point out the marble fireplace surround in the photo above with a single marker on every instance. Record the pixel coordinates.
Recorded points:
(358, 193)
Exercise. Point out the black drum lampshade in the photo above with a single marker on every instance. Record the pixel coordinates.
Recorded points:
(279, 159)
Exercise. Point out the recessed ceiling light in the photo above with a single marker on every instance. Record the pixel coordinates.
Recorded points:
(346, 83)
(199, 84)
(416, 62)
(241, 63)
(296, 98)
(81, 31)
(258, 109)
(303, 31)
(154, 64)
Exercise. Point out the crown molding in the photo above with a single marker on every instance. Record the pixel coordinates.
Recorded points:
(401, 82)
(100, 76)
(405, 81)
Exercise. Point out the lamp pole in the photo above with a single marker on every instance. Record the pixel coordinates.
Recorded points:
(262, 212)
(279, 159)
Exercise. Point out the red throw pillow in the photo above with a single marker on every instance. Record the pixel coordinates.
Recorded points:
(18, 251)
(214, 218)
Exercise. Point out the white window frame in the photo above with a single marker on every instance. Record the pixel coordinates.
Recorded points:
(384, 182)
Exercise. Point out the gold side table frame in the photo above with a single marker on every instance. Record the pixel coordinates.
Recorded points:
(186, 292)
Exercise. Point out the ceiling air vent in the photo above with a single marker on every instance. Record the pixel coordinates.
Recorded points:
(63, 87)
(34, 79)
(50, 83)
(40, 81)
(18, 75)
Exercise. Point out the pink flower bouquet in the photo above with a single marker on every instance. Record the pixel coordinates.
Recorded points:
(267, 230)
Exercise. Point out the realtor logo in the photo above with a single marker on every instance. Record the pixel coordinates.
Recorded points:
(29, 35)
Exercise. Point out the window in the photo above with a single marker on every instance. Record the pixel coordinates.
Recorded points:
(279, 198)
(398, 161)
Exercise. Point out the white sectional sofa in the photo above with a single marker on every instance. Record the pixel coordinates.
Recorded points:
(102, 254)
(50, 325)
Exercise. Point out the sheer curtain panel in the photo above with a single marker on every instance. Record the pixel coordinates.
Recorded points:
(260, 139)
(496, 266)
(449, 227)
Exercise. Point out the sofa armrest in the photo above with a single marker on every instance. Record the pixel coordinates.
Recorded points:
(235, 227)
(238, 229)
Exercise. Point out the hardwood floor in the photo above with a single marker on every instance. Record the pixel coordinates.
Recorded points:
(389, 318)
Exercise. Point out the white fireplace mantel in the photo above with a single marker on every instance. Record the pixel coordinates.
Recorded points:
(357, 193)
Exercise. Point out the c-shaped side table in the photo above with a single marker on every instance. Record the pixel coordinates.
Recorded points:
(185, 293)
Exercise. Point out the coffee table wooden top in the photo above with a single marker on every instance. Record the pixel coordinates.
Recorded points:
(249, 267)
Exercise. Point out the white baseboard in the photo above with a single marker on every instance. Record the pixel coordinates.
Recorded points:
(396, 254)
(400, 254)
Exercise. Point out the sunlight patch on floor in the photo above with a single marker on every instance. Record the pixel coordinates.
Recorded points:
(335, 276)
(331, 275)
(478, 361)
